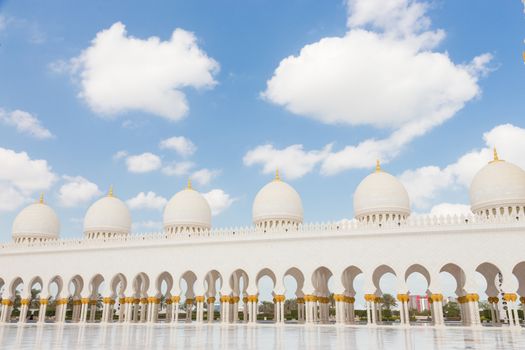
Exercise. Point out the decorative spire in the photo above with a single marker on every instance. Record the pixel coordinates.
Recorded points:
(378, 166)
(110, 192)
(277, 177)
(496, 158)
(189, 184)
(41, 201)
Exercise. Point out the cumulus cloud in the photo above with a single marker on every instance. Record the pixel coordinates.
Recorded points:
(77, 190)
(178, 168)
(384, 72)
(21, 177)
(450, 209)
(424, 184)
(25, 123)
(120, 155)
(118, 73)
(179, 144)
(143, 163)
(146, 225)
(3, 22)
(218, 200)
(149, 200)
(204, 176)
(10, 198)
(293, 161)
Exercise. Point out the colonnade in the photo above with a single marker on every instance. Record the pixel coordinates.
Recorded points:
(236, 298)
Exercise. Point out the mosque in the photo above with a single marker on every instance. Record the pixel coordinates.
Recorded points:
(112, 276)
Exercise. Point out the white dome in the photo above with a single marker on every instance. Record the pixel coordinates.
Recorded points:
(107, 217)
(35, 222)
(187, 210)
(498, 184)
(277, 201)
(381, 193)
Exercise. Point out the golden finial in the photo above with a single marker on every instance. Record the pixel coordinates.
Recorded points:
(41, 201)
(378, 166)
(496, 158)
(277, 177)
(110, 192)
(189, 184)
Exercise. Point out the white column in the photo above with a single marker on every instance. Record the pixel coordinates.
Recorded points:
(176, 301)
(42, 311)
(84, 309)
(211, 306)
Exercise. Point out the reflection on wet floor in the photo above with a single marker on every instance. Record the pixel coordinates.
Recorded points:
(253, 337)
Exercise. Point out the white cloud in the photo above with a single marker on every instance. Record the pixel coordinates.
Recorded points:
(77, 190)
(10, 198)
(450, 209)
(120, 155)
(3, 22)
(149, 200)
(120, 73)
(178, 168)
(143, 163)
(424, 184)
(386, 55)
(293, 161)
(218, 200)
(25, 123)
(204, 176)
(147, 225)
(179, 144)
(21, 177)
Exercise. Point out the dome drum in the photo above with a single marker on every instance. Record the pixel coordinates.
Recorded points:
(108, 217)
(498, 189)
(381, 197)
(37, 222)
(187, 212)
(277, 204)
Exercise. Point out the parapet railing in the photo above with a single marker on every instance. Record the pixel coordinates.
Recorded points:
(317, 228)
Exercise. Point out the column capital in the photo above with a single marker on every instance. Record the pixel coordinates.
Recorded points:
(472, 297)
(153, 300)
(349, 300)
(279, 298)
(199, 299)
(211, 300)
(339, 297)
(310, 297)
(62, 301)
(300, 300)
(25, 302)
(370, 297)
(436, 297)
(7, 302)
(189, 301)
(42, 301)
(253, 298)
(403, 297)
(510, 297)
(494, 300)
(175, 299)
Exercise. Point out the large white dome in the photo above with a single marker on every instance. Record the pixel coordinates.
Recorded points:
(381, 194)
(277, 203)
(107, 217)
(187, 211)
(35, 222)
(498, 185)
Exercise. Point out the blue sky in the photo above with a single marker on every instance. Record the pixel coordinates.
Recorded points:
(450, 70)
